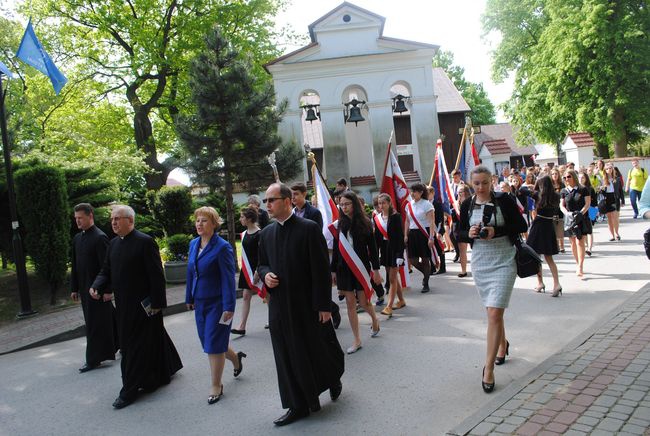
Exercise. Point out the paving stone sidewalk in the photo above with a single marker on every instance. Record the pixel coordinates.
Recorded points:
(599, 385)
(62, 324)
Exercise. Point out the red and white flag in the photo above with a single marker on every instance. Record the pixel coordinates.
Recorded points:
(326, 205)
(352, 260)
(395, 186)
(249, 272)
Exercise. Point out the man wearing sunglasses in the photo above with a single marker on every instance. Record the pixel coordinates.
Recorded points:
(294, 265)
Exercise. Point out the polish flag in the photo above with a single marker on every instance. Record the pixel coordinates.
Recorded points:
(393, 184)
(326, 205)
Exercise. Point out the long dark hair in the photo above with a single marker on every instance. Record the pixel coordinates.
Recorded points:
(547, 197)
(359, 224)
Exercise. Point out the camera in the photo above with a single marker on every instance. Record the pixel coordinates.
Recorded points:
(483, 233)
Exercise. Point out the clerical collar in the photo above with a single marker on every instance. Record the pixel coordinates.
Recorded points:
(122, 237)
(281, 222)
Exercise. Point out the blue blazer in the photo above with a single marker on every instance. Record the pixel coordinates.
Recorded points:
(211, 274)
(312, 213)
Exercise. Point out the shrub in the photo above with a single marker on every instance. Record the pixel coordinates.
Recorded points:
(43, 206)
(178, 246)
(171, 207)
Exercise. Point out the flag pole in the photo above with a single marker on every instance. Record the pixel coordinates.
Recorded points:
(460, 149)
(435, 156)
(19, 254)
(390, 140)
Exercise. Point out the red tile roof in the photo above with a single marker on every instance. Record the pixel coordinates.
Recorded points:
(497, 146)
(582, 139)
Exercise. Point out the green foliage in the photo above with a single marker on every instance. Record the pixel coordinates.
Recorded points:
(178, 246)
(43, 206)
(578, 64)
(483, 111)
(171, 207)
(233, 125)
(139, 53)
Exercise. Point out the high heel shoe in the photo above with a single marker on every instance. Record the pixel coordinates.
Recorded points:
(214, 398)
(487, 387)
(240, 356)
(540, 288)
(501, 360)
(557, 292)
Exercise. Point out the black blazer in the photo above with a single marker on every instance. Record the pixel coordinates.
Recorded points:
(514, 222)
(313, 214)
(395, 234)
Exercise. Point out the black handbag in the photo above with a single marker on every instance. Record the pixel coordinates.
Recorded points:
(528, 261)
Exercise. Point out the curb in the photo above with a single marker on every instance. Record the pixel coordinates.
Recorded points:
(79, 332)
(513, 388)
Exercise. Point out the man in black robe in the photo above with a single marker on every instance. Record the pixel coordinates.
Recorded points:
(133, 272)
(294, 265)
(88, 253)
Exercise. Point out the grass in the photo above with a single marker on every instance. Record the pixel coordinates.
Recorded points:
(39, 292)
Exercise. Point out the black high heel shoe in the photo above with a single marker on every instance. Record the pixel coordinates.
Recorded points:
(240, 356)
(501, 360)
(557, 292)
(214, 398)
(487, 387)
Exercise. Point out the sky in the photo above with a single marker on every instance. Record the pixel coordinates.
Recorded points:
(454, 25)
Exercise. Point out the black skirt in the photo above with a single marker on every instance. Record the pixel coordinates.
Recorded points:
(541, 236)
(345, 280)
(387, 256)
(613, 202)
(418, 244)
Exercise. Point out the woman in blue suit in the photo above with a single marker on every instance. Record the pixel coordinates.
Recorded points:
(211, 294)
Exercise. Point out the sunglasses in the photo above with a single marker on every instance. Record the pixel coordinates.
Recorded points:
(567, 177)
(272, 199)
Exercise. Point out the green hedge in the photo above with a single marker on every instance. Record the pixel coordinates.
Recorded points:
(42, 201)
(171, 207)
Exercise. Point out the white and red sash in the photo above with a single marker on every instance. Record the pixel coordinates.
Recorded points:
(352, 260)
(434, 253)
(248, 272)
(383, 229)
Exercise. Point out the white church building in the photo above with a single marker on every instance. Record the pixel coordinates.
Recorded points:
(391, 81)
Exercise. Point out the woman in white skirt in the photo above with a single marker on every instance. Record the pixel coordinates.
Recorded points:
(491, 223)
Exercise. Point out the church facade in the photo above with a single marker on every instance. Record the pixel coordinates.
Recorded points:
(349, 60)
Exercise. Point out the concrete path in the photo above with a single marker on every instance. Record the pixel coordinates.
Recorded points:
(421, 376)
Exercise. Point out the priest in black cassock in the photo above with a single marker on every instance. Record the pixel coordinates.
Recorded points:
(88, 253)
(132, 271)
(294, 264)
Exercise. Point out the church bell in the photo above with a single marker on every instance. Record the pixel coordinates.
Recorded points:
(355, 115)
(311, 115)
(399, 105)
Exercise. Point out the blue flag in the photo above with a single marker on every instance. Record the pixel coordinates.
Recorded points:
(5, 70)
(32, 53)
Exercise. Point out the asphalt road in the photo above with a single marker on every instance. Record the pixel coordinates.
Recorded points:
(420, 376)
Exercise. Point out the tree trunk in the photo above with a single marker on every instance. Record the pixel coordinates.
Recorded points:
(602, 150)
(4, 260)
(230, 206)
(620, 134)
(53, 289)
(145, 142)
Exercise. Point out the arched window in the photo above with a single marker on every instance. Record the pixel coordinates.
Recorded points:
(402, 126)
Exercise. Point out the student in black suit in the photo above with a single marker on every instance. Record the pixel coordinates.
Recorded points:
(302, 208)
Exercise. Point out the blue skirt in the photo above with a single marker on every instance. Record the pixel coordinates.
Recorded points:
(214, 336)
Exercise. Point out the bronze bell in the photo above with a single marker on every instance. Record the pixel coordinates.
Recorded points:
(399, 106)
(355, 115)
(311, 115)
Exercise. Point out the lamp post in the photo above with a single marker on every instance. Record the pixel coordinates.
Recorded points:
(19, 255)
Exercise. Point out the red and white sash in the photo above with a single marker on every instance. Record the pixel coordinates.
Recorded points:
(248, 272)
(434, 253)
(352, 260)
(383, 229)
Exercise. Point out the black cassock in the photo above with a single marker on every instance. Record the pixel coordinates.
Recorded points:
(133, 271)
(88, 253)
(308, 357)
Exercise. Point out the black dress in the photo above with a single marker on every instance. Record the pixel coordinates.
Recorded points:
(250, 244)
(365, 247)
(392, 248)
(541, 236)
(575, 201)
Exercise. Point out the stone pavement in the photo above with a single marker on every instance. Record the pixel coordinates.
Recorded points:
(598, 385)
(64, 324)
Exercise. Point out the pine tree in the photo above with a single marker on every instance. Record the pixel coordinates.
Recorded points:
(233, 127)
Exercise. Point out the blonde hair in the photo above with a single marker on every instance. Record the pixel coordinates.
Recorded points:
(210, 213)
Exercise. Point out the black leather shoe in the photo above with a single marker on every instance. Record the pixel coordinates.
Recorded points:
(240, 356)
(335, 391)
(501, 360)
(121, 403)
(292, 415)
(89, 367)
(487, 387)
(238, 332)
